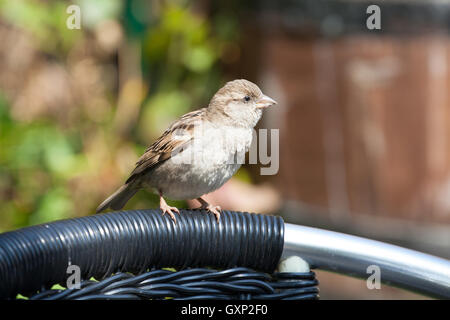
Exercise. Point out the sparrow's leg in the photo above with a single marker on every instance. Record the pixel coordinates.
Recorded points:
(213, 209)
(165, 208)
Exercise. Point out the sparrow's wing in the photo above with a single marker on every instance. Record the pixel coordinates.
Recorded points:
(178, 136)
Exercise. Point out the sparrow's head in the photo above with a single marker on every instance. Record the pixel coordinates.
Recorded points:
(239, 103)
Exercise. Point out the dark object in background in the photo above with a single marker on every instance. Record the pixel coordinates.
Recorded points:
(364, 114)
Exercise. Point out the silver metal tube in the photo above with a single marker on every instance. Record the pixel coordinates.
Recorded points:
(351, 255)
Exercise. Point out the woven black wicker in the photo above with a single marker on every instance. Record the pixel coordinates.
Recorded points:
(191, 284)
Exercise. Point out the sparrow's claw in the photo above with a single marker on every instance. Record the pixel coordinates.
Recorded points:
(169, 210)
(165, 208)
(213, 209)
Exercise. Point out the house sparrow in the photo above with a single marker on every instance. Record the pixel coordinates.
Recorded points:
(198, 153)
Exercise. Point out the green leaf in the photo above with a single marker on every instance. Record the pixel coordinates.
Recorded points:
(55, 205)
(199, 59)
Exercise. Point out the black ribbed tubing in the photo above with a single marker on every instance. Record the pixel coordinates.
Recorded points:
(133, 241)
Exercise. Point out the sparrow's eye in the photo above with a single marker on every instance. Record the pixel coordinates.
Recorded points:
(246, 98)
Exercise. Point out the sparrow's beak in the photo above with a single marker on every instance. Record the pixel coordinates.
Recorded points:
(265, 102)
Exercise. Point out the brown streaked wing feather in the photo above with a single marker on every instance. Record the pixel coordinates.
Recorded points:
(163, 148)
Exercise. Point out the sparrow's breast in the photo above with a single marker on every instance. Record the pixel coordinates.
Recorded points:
(205, 165)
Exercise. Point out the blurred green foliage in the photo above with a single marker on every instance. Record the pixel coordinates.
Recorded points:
(78, 107)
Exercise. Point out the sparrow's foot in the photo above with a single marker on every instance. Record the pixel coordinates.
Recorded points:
(213, 209)
(169, 210)
(165, 208)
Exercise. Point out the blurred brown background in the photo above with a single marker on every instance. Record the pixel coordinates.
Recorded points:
(363, 115)
(364, 120)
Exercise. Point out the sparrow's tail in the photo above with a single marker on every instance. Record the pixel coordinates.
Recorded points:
(118, 199)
